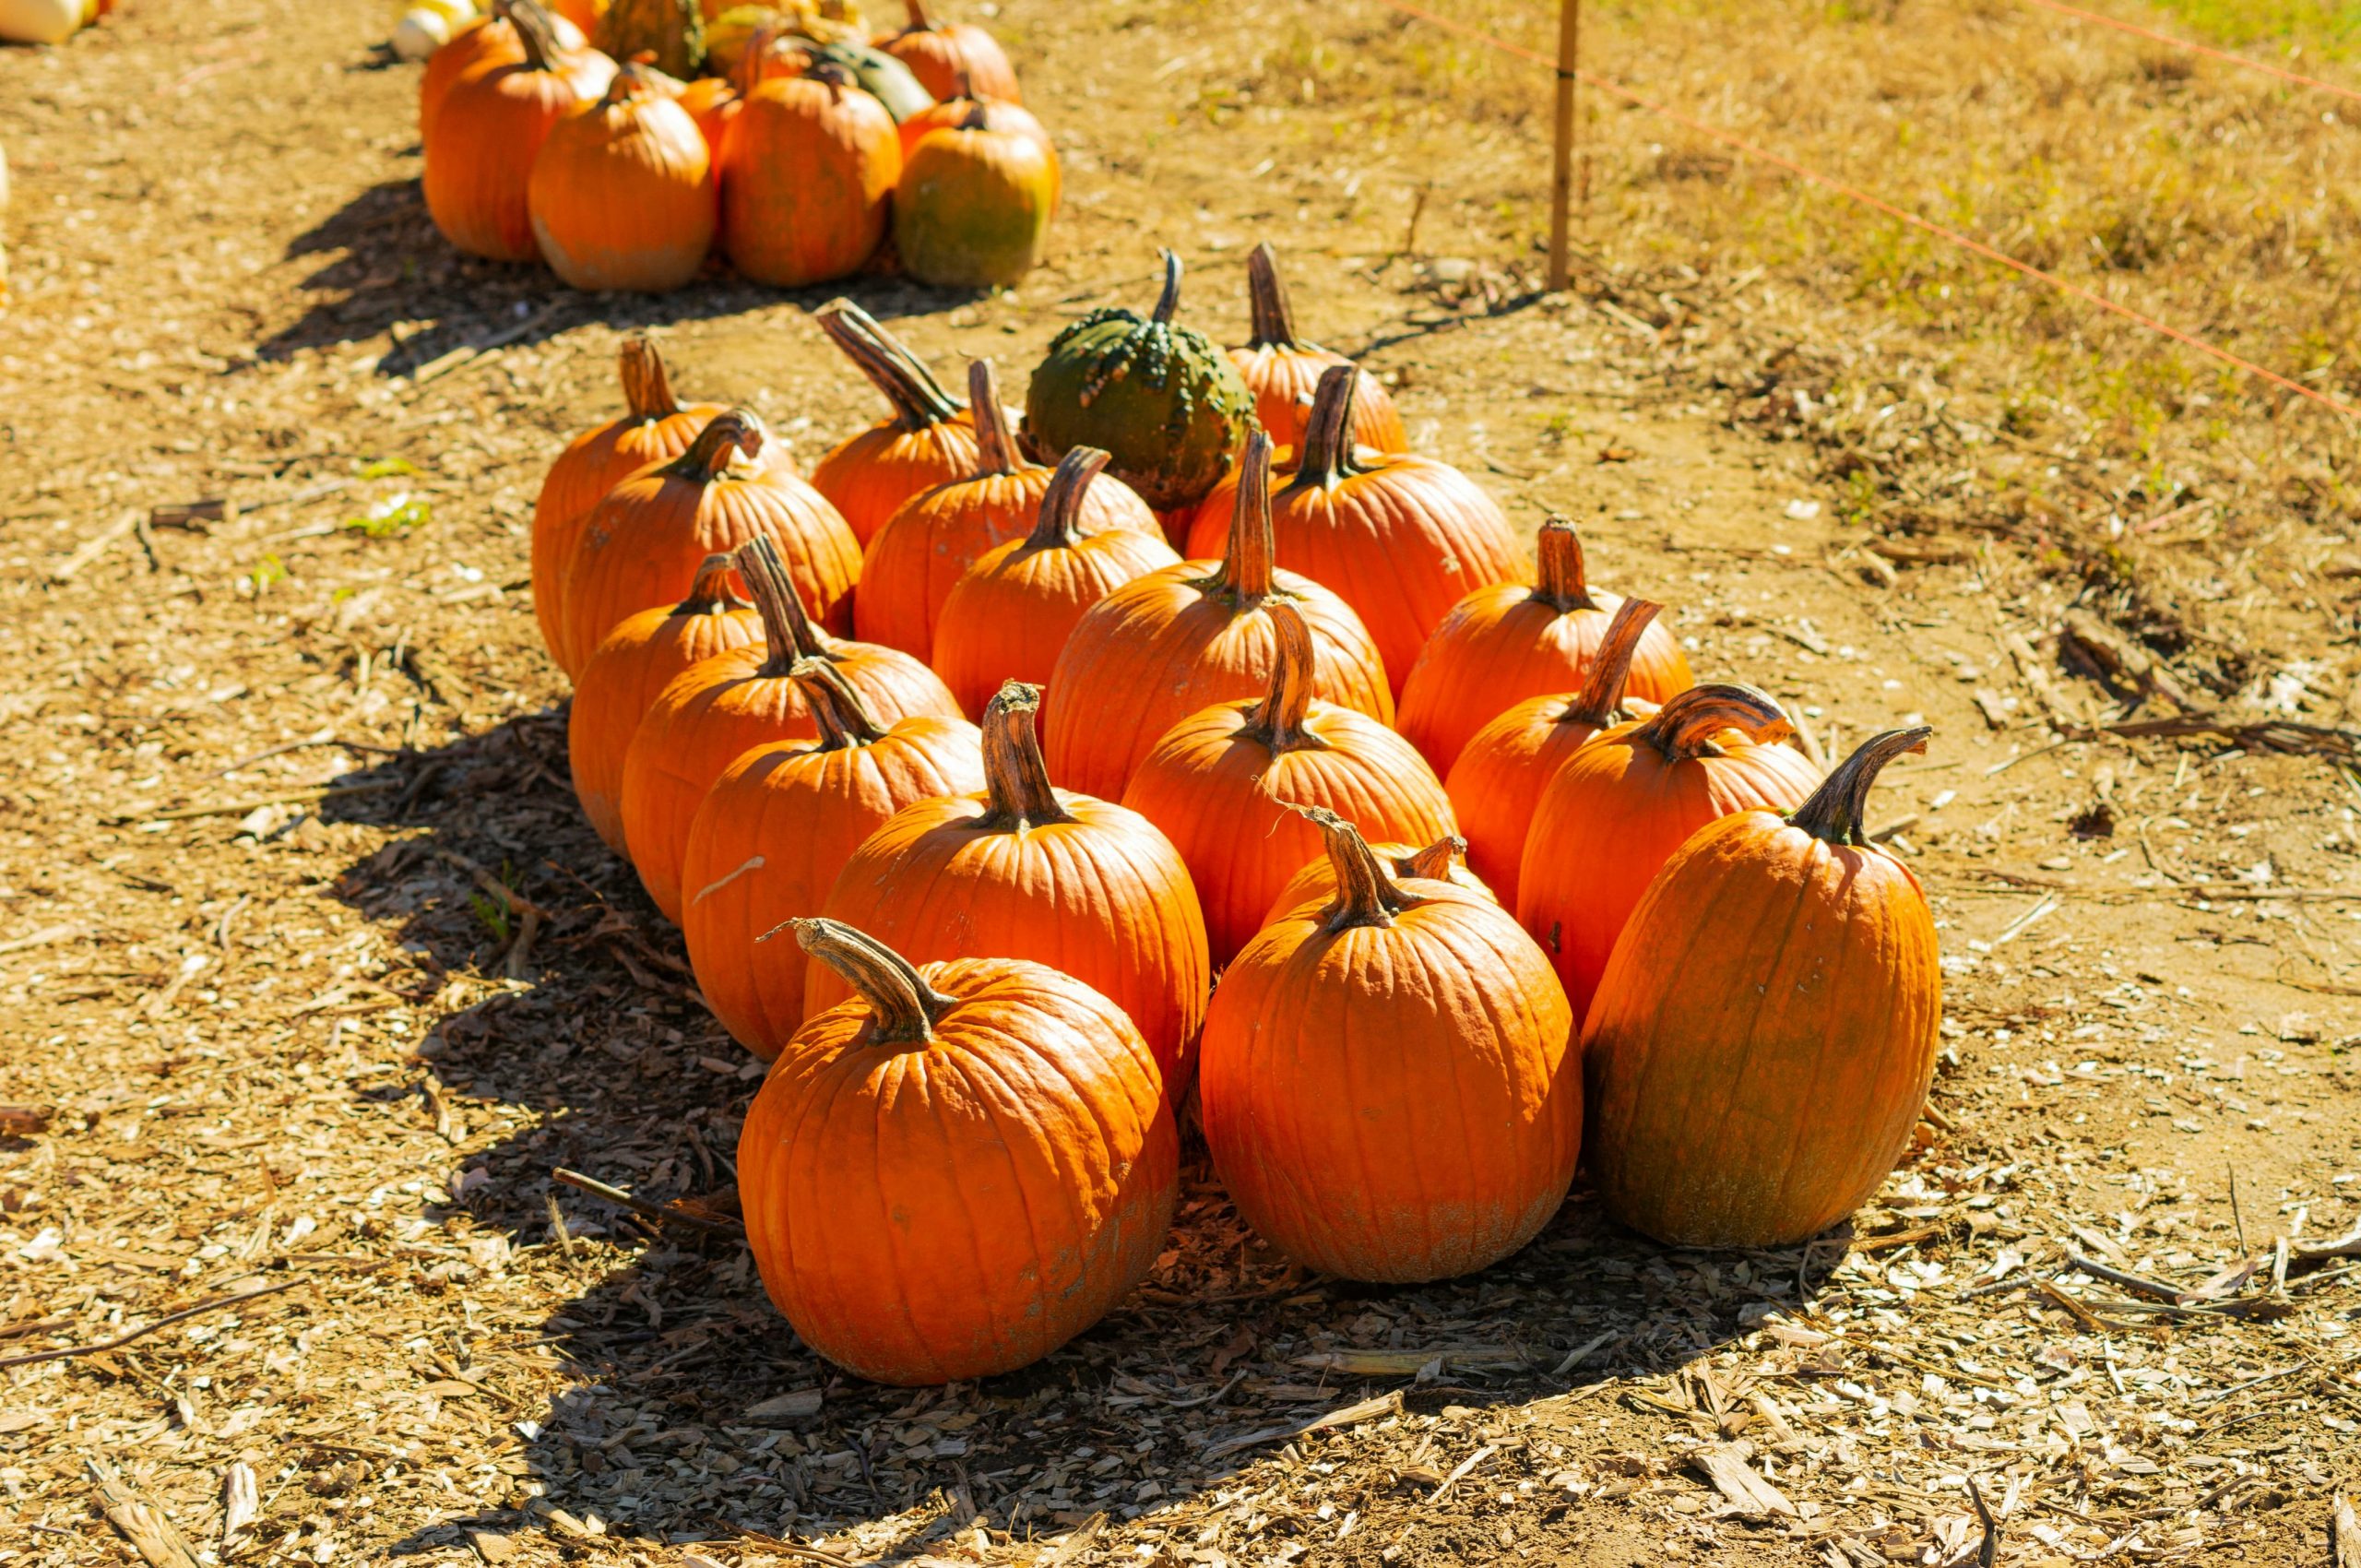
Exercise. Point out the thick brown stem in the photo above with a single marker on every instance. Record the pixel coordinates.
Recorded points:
(1684, 728)
(1327, 455)
(787, 632)
(1247, 571)
(1277, 722)
(904, 1007)
(845, 720)
(711, 594)
(536, 32)
(996, 450)
(647, 385)
(1436, 862)
(1169, 300)
(1017, 780)
(1365, 893)
(1835, 812)
(1610, 666)
(738, 429)
(917, 11)
(919, 400)
(1267, 303)
(1059, 524)
(1559, 556)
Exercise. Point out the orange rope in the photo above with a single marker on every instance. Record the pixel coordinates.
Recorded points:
(2205, 49)
(1831, 181)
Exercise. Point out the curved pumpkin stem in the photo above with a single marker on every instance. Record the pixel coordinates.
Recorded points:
(787, 632)
(1249, 562)
(1059, 524)
(1327, 457)
(1610, 667)
(1684, 728)
(845, 720)
(905, 1007)
(1278, 720)
(1436, 862)
(917, 11)
(647, 385)
(1016, 781)
(918, 397)
(1365, 893)
(1833, 813)
(712, 593)
(1168, 302)
(740, 430)
(1562, 583)
(996, 453)
(536, 32)
(1266, 301)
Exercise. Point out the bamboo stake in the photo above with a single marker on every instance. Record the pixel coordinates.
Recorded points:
(1561, 175)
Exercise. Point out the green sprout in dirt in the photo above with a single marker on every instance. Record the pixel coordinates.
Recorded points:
(393, 517)
(497, 915)
(385, 468)
(270, 570)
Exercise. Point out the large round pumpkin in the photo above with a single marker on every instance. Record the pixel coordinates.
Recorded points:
(958, 1171)
(1446, 859)
(622, 193)
(488, 128)
(972, 208)
(481, 41)
(929, 439)
(807, 179)
(1764, 1037)
(1283, 370)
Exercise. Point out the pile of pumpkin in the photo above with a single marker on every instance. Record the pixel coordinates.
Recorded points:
(796, 162)
(1488, 880)
(48, 21)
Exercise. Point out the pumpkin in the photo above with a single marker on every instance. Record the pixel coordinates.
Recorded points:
(1508, 642)
(488, 128)
(477, 41)
(1611, 816)
(875, 72)
(1446, 859)
(1764, 1035)
(712, 103)
(952, 59)
(582, 14)
(1283, 370)
(1166, 402)
(927, 546)
(972, 210)
(807, 182)
(622, 195)
(999, 115)
(418, 34)
(652, 429)
(1501, 774)
(1389, 1086)
(1162, 646)
(1401, 538)
(1220, 783)
(716, 711)
(1027, 871)
(778, 826)
(671, 32)
(642, 544)
(958, 1170)
(632, 668)
(929, 439)
(40, 21)
(1009, 617)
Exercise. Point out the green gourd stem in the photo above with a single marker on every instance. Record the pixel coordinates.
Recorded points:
(918, 397)
(711, 593)
(787, 632)
(1059, 527)
(845, 720)
(1266, 301)
(1610, 666)
(1278, 720)
(738, 429)
(1562, 585)
(1684, 728)
(1365, 893)
(996, 453)
(904, 1007)
(1327, 455)
(647, 385)
(1436, 862)
(536, 32)
(1168, 302)
(1016, 781)
(1248, 568)
(1834, 812)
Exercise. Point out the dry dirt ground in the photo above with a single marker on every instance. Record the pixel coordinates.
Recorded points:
(312, 974)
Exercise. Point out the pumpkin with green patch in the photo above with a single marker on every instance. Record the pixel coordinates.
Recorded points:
(673, 31)
(973, 207)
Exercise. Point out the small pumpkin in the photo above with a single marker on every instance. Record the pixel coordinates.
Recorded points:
(999, 115)
(631, 669)
(1162, 646)
(1764, 1035)
(712, 103)
(1221, 784)
(1446, 859)
(480, 42)
(671, 32)
(1283, 370)
(1009, 617)
(622, 195)
(807, 180)
(778, 826)
(957, 1172)
(1616, 811)
(1508, 642)
(972, 210)
(1389, 1088)
(488, 128)
(717, 710)
(1030, 871)
(952, 59)
(929, 439)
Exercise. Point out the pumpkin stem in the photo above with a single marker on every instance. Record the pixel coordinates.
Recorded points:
(1563, 584)
(712, 593)
(845, 720)
(647, 385)
(1278, 720)
(837, 79)
(1248, 568)
(918, 397)
(537, 33)
(1833, 813)
(1435, 862)
(975, 118)
(1267, 303)
(1365, 893)
(787, 630)
(1169, 300)
(1016, 781)
(738, 429)
(904, 1007)
(917, 11)
(1684, 728)
(996, 451)
(1059, 524)
(1327, 455)
(1611, 665)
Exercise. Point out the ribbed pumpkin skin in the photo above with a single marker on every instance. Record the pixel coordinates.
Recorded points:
(925, 1214)
(1283, 372)
(999, 114)
(622, 195)
(487, 131)
(953, 58)
(972, 207)
(930, 440)
(713, 104)
(807, 181)
(478, 41)
(1316, 883)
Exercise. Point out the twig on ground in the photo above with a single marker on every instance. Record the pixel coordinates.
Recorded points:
(641, 1207)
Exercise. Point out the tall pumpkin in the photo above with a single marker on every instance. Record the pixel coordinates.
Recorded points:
(719, 711)
(622, 193)
(778, 826)
(1446, 859)
(952, 59)
(1764, 1035)
(1009, 617)
(1283, 370)
(957, 1172)
(1027, 871)
(807, 181)
(645, 541)
(1508, 642)
(1389, 1088)
(1162, 646)
(488, 127)
(1222, 783)
(654, 428)
(929, 439)
(1616, 811)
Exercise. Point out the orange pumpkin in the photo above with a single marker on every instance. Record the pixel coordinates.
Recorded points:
(622, 193)
(1221, 784)
(1446, 859)
(952, 59)
(719, 711)
(1507, 642)
(999, 113)
(807, 180)
(653, 429)
(1501, 774)
(1008, 618)
(1162, 646)
(1283, 372)
(1032, 871)
(1765, 1033)
(929, 439)
(643, 544)
(972, 208)
(1389, 1088)
(1615, 812)
(478, 41)
(778, 826)
(489, 127)
(712, 103)
(958, 1171)
(631, 669)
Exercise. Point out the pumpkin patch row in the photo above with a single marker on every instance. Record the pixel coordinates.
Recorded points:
(1000, 829)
